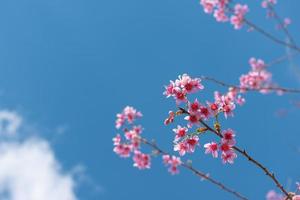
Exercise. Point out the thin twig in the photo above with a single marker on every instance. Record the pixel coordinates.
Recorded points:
(265, 33)
(245, 154)
(195, 171)
(278, 89)
(271, 37)
(281, 59)
(279, 20)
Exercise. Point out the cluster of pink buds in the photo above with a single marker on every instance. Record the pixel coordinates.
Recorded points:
(185, 140)
(221, 11)
(258, 77)
(133, 140)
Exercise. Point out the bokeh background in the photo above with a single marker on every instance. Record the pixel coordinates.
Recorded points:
(67, 67)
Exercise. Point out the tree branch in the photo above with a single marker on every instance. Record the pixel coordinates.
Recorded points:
(195, 171)
(278, 89)
(245, 154)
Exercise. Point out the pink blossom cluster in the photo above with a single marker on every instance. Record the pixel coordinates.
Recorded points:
(187, 145)
(186, 142)
(133, 140)
(173, 162)
(182, 86)
(129, 114)
(257, 78)
(225, 146)
(221, 11)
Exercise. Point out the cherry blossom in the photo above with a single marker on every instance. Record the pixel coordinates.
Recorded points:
(182, 86)
(237, 20)
(132, 135)
(123, 150)
(228, 156)
(212, 148)
(173, 162)
(180, 132)
(228, 137)
(181, 147)
(257, 78)
(129, 114)
(141, 160)
(187, 145)
(286, 21)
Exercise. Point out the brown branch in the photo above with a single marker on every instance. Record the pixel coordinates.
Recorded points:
(195, 171)
(278, 89)
(245, 154)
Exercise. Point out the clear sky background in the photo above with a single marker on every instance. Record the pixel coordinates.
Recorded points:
(69, 66)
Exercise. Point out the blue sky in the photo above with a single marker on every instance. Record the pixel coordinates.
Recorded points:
(73, 65)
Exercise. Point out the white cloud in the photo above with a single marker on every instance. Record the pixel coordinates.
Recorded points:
(30, 171)
(10, 122)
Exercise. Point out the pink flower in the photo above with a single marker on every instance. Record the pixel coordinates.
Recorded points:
(181, 147)
(257, 64)
(194, 106)
(187, 145)
(170, 119)
(189, 84)
(228, 137)
(169, 89)
(193, 119)
(192, 142)
(211, 148)
(173, 162)
(141, 160)
(237, 19)
(228, 156)
(180, 132)
(129, 114)
(220, 15)
(286, 21)
(182, 86)
(198, 111)
(123, 150)
(209, 5)
(258, 77)
(117, 139)
(204, 112)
